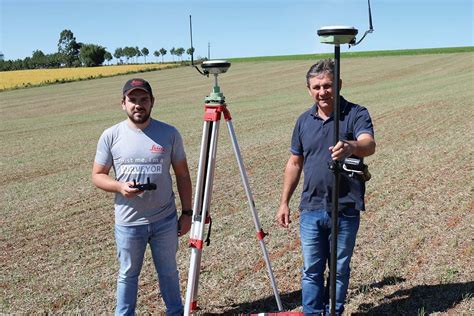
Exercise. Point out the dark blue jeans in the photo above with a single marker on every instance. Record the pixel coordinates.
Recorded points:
(315, 234)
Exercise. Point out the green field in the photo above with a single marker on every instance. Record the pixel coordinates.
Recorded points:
(415, 247)
(349, 54)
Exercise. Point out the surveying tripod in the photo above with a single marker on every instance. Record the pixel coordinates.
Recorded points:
(215, 107)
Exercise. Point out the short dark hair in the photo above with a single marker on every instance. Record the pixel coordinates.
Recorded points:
(321, 67)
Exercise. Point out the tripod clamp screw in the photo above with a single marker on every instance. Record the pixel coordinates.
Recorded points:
(261, 234)
(216, 96)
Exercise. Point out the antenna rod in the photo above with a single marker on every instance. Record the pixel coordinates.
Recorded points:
(191, 32)
(192, 48)
(370, 30)
(370, 18)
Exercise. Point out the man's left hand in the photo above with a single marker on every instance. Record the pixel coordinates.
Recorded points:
(184, 224)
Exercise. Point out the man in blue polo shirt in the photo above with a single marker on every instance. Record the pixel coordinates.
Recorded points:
(311, 150)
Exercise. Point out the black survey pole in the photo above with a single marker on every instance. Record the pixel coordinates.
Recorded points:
(335, 187)
(337, 35)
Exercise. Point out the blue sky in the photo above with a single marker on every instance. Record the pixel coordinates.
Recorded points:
(234, 28)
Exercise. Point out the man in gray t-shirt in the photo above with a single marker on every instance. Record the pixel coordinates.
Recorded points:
(142, 150)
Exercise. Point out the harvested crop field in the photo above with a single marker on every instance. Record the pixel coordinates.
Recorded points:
(415, 244)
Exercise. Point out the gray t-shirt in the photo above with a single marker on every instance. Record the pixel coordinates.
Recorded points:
(136, 155)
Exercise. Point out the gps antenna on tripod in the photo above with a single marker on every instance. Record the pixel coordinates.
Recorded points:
(192, 48)
(370, 30)
(214, 108)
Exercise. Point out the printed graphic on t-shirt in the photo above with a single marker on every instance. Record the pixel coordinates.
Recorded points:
(132, 166)
(157, 149)
(141, 169)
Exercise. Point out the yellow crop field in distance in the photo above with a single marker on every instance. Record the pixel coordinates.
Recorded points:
(36, 77)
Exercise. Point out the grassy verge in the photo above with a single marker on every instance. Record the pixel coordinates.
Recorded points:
(378, 53)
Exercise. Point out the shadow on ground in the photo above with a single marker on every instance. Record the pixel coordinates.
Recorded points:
(419, 300)
(289, 301)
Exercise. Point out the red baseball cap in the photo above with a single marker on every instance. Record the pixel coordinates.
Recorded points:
(137, 83)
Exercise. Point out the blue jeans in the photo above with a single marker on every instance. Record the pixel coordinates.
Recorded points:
(315, 234)
(131, 245)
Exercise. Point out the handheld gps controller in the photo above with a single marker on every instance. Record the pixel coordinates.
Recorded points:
(143, 186)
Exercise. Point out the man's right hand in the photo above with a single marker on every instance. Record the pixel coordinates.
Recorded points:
(283, 216)
(127, 191)
(101, 179)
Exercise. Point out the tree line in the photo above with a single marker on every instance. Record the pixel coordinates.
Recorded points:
(75, 54)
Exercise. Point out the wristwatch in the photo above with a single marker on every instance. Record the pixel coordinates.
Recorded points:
(187, 212)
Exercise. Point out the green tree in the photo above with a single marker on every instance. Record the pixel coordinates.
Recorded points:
(38, 60)
(92, 55)
(163, 53)
(6, 65)
(190, 51)
(179, 52)
(129, 52)
(53, 60)
(145, 52)
(68, 48)
(108, 56)
(26, 63)
(138, 53)
(173, 52)
(156, 53)
(118, 54)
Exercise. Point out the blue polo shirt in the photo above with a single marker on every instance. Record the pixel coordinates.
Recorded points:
(312, 137)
